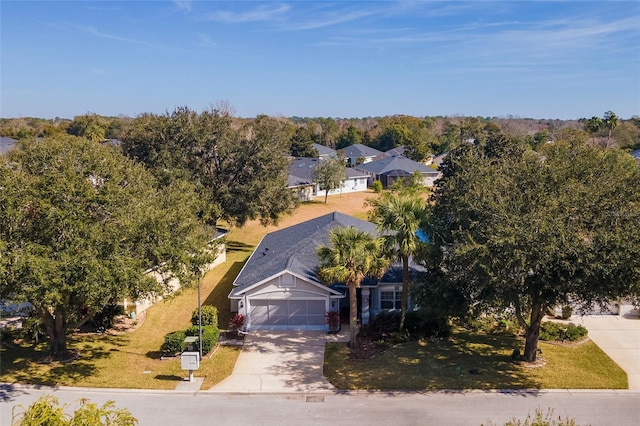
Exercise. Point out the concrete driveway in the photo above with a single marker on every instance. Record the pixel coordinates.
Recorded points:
(618, 337)
(290, 361)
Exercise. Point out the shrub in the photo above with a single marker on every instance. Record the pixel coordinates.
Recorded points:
(210, 336)
(209, 316)
(173, 342)
(566, 312)
(237, 322)
(103, 320)
(385, 322)
(550, 331)
(376, 186)
(47, 411)
(421, 323)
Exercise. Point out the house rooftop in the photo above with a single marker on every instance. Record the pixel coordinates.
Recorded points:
(396, 166)
(294, 249)
(360, 150)
(6, 144)
(325, 151)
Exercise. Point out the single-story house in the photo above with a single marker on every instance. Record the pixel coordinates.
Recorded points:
(359, 153)
(6, 144)
(325, 151)
(399, 151)
(278, 289)
(389, 169)
(301, 180)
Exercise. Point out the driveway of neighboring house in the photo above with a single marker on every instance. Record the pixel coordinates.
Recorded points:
(618, 337)
(279, 362)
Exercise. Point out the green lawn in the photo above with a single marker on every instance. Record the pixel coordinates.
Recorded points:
(451, 364)
(132, 360)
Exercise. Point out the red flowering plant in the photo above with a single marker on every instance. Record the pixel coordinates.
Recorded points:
(237, 322)
(333, 319)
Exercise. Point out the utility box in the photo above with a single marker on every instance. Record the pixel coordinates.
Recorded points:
(190, 360)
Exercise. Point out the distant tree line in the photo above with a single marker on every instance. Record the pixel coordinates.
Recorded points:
(421, 136)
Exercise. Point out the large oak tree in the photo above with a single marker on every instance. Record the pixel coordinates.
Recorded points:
(239, 167)
(526, 230)
(79, 226)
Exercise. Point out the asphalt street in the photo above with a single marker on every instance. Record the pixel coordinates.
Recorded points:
(605, 407)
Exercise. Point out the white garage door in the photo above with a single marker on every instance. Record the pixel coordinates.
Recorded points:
(288, 314)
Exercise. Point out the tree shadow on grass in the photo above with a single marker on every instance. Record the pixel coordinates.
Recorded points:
(26, 363)
(168, 377)
(218, 296)
(239, 246)
(466, 361)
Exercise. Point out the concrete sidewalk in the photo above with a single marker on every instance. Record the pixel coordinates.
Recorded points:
(618, 337)
(277, 362)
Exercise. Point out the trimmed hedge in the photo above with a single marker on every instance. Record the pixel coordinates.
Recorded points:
(173, 342)
(209, 316)
(210, 335)
(550, 331)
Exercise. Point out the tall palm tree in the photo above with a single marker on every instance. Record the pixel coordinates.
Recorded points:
(400, 216)
(610, 121)
(351, 256)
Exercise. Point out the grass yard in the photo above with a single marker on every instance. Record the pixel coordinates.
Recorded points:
(473, 360)
(132, 360)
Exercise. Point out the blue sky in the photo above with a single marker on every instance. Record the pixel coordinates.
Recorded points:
(332, 59)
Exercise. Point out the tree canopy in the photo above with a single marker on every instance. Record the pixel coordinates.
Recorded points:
(79, 226)
(330, 174)
(351, 256)
(399, 216)
(240, 168)
(526, 230)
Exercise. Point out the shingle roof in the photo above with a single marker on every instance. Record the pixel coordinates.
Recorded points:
(301, 172)
(6, 144)
(359, 150)
(398, 150)
(396, 165)
(294, 249)
(302, 168)
(325, 151)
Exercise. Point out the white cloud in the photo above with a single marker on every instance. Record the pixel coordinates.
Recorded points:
(183, 5)
(260, 13)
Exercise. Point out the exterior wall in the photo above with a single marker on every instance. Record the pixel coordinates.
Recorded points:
(348, 186)
(304, 193)
(285, 287)
(141, 305)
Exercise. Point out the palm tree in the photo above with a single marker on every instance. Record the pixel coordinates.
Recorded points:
(352, 255)
(610, 121)
(400, 216)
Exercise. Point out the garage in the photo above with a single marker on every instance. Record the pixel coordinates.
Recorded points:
(290, 314)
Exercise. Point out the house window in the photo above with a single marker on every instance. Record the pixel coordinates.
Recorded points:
(390, 299)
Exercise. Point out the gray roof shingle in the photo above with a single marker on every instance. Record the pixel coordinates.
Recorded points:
(6, 144)
(294, 249)
(360, 150)
(395, 164)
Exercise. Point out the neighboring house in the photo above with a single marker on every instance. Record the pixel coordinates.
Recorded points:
(301, 180)
(278, 289)
(388, 170)
(636, 154)
(438, 159)
(399, 151)
(325, 151)
(141, 305)
(359, 153)
(6, 144)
